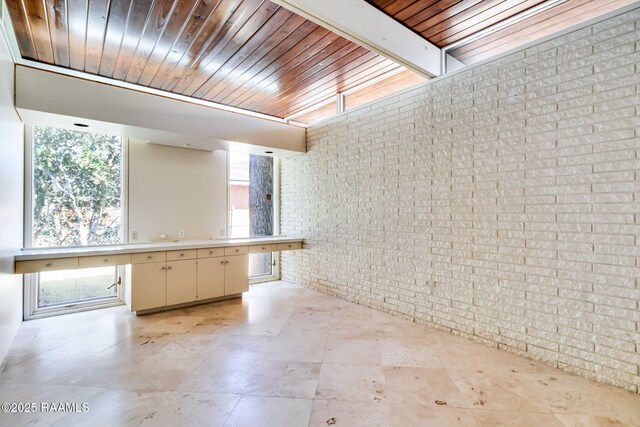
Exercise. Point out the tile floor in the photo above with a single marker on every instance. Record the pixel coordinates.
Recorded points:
(286, 356)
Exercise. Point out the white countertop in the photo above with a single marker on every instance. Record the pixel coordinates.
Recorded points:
(129, 248)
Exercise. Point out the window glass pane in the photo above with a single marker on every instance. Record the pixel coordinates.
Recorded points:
(251, 201)
(261, 196)
(77, 188)
(72, 286)
(251, 204)
(239, 194)
(260, 264)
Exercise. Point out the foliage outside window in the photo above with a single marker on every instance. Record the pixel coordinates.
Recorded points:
(76, 188)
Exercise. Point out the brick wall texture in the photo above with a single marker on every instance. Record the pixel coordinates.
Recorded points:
(501, 203)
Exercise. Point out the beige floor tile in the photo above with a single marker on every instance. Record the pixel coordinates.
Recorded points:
(219, 374)
(412, 414)
(356, 383)
(268, 358)
(115, 407)
(500, 392)
(408, 352)
(144, 370)
(424, 386)
(192, 343)
(341, 413)
(56, 367)
(349, 323)
(236, 347)
(191, 409)
(299, 347)
(341, 350)
(589, 421)
(283, 379)
(565, 393)
(14, 392)
(265, 326)
(173, 325)
(257, 411)
(515, 419)
(390, 329)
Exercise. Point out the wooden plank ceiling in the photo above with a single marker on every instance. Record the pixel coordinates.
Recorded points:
(444, 22)
(250, 54)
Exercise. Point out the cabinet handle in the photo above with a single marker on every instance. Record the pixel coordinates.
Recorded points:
(181, 254)
(221, 262)
(163, 268)
(149, 256)
(210, 252)
(48, 264)
(237, 250)
(106, 260)
(169, 268)
(263, 248)
(226, 262)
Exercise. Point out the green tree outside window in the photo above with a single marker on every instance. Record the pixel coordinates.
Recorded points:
(76, 188)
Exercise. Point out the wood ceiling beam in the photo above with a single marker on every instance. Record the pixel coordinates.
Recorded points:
(365, 25)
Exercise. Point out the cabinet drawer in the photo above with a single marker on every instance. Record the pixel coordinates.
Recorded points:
(104, 260)
(210, 252)
(257, 249)
(147, 257)
(37, 266)
(178, 255)
(289, 246)
(236, 250)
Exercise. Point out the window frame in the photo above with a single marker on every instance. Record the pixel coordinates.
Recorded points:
(275, 270)
(32, 281)
(32, 311)
(28, 190)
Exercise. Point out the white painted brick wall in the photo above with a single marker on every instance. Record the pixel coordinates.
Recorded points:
(501, 203)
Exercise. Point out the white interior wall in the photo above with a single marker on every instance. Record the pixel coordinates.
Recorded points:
(176, 188)
(11, 199)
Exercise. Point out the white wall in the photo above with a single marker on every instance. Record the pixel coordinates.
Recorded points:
(11, 199)
(176, 188)
(500, 203)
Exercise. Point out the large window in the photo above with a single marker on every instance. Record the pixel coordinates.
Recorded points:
(252, 205)
(76, 186)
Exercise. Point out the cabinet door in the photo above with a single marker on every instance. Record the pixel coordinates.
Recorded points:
(148, 286)
(210, 278)
(181, 282)
(236, 274)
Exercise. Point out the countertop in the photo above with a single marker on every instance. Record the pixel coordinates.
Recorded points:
(129, 248)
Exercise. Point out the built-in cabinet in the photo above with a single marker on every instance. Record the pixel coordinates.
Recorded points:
(165, 278)
(236, 274)
(210, 280)
(187, 276)
(150, 290)
(181, 281)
